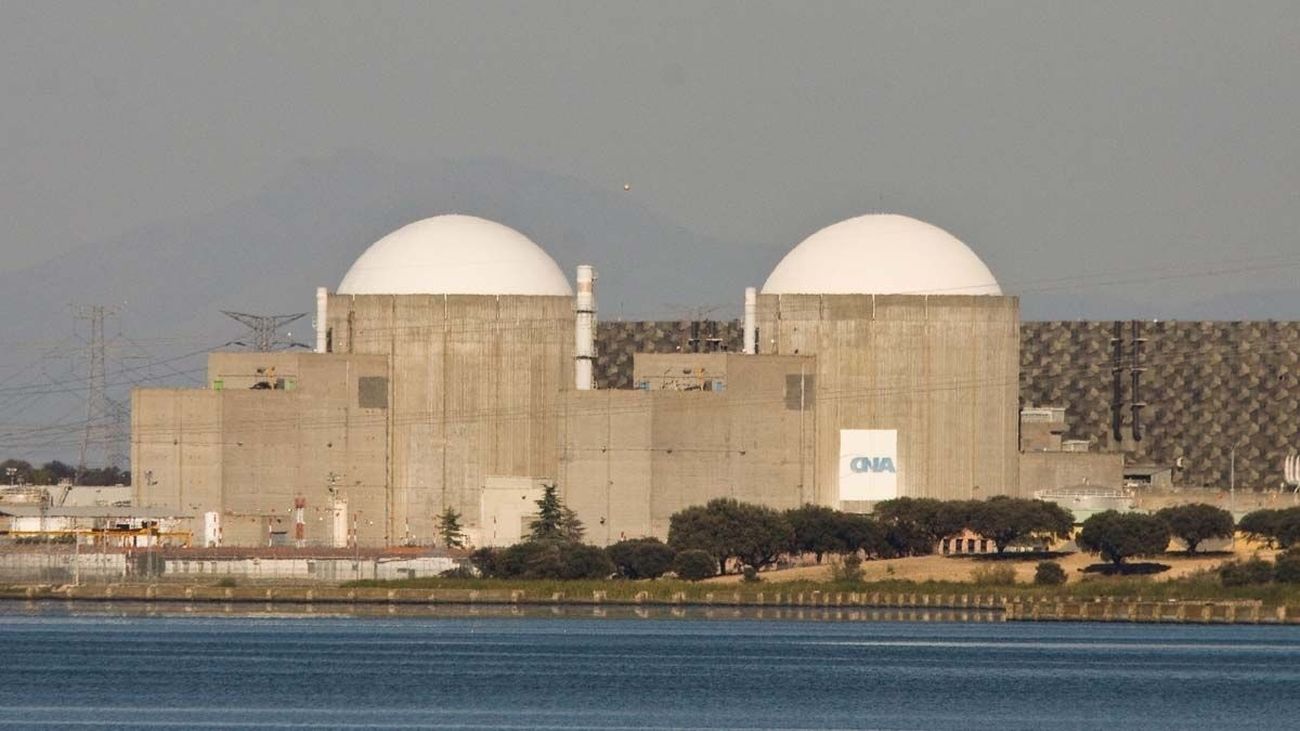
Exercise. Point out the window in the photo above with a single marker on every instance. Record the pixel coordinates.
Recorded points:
(799, 391)
(372, 392)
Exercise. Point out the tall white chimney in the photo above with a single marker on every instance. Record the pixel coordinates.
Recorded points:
(751, 320)
(322, 298)
(584, 346)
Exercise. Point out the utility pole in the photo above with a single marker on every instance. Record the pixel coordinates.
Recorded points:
(1232, 487)
(263, 331)
(105, 421)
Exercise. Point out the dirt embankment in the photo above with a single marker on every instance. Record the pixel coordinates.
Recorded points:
(959, 568)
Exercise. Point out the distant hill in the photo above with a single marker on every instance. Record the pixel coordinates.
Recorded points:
(269, 251)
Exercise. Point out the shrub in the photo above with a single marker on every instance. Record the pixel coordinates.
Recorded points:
(487, 561)
(580, 561)
(1286, 570)
(1246, 573)
(460, 572)
(1001, 575)
(750, 575)
(549, 559)
(1049, 573)
(847, 569)
(226, 581)
(641, 558)
(695, 565)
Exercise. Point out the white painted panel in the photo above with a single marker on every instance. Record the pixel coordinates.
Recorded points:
(868, 466)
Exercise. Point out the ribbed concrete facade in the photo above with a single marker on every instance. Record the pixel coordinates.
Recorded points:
(941, 370)
(474, 385)
(249, 452)
(720, 428)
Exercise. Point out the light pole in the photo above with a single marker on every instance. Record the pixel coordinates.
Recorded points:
(1232, 488)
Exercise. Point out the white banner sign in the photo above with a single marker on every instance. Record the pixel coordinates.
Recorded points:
(868, 464)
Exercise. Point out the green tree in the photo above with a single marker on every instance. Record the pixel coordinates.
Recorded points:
(694, 565)
(449, 529)
(703, 528)
(1008, 520)
(817, 530)
(1276, 527)
(22, 472)
(571, 528)
(762, 536)
(1118, 536)
(56, 470)
(862, 533)
(727, 529)
(641, 558)
(913, 526)
(551, 517)
(1197, 522)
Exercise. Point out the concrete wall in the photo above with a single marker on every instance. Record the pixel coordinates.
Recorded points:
(508, 507)
(942, 370)
(475, 385)
(1053, 470)
(633, 458)
(248, 453)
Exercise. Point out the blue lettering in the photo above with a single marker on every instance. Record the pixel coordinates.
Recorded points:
(872, 464)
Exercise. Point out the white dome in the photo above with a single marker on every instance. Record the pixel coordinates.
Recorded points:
(881, 254)
(455, 255)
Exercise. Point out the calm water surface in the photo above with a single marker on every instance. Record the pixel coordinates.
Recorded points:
(65, 669)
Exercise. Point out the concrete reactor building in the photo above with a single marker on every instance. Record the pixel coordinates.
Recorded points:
(453, 367)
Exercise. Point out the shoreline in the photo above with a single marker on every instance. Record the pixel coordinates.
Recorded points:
(990, 606)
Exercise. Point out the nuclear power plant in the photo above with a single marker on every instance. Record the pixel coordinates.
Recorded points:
(456, 367)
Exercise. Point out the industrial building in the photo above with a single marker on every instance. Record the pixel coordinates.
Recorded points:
(456, 367)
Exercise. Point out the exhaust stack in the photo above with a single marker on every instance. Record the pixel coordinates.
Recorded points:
(322, 298)
(584, 346)
(751, 321)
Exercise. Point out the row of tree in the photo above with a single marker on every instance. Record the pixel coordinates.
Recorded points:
(742, 534)
(52, 472)
(726, 534)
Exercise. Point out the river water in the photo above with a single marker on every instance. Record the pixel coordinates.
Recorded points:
(106, 667)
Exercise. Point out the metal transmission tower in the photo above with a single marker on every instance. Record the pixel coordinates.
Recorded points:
(105, 427)
(263, 331)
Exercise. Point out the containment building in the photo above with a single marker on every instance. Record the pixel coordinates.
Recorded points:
(453, 368)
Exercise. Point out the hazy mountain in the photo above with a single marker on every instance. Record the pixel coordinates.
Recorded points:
(267, 253)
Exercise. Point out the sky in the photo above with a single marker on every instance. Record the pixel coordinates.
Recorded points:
(1106, 159)
(1057, 139)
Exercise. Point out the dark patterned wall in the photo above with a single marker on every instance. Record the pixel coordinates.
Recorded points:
(1207, 385)
(617, 341)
